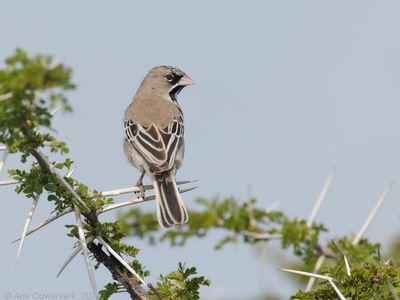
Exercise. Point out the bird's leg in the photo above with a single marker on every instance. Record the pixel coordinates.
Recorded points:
(139, 184)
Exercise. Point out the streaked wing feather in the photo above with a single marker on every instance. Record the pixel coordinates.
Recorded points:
(157, 146)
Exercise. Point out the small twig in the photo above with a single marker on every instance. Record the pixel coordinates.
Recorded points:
(27, 222)
(372, 215)
(85, 251)
(120, 259)
(155, 292)
(321, 197)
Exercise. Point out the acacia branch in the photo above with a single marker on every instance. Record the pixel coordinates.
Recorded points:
(114, 266)
(118, 272)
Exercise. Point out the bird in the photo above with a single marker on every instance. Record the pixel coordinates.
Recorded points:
(154, 139)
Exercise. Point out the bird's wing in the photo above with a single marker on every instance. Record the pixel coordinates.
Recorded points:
(158, 146)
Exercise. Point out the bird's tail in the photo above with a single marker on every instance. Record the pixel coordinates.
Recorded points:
(171, 210)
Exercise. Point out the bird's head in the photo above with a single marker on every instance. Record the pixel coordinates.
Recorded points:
(167, 81)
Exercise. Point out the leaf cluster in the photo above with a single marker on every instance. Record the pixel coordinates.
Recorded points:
(240, 222)
(181, 284)
(34, 85)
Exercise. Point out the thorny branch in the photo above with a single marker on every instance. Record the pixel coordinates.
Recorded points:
(114, 266)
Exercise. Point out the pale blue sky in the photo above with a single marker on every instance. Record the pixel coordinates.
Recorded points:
(285, 90)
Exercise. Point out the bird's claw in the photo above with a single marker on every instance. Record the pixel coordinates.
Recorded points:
(139, 184)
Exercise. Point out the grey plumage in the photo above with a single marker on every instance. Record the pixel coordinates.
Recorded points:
(154, 138)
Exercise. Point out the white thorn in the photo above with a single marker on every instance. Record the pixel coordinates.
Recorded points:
(318, 276)
(308, 274)
(134, 201)
(125, 203)
(6, 96)
(46, 222)
(27, 222)
(55, 110)
(57, 132)
(2, 160)
(346, 262)
(120, 259)
(128, 190)
(105, 209)
(70, 172)
(321, 197)
(85, 250)
(51, 219)
(338, 292)
(262, 236)
(72, 256)
(273, 206)
(318, 265)
(8, 182)
(373, 213)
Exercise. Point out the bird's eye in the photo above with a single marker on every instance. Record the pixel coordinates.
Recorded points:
(169, 77)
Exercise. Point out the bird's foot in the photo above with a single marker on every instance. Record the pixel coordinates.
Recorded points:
(139, 184)
(141, 191)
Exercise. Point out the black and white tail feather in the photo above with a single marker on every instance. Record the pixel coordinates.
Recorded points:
(171, 210)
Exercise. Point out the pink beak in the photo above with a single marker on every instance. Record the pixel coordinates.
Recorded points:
(186, 80)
